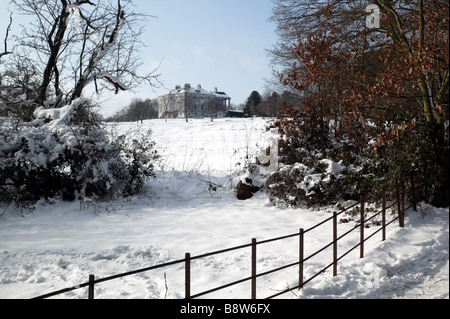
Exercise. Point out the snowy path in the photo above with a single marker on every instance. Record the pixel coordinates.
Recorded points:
(412, 263)
(59, 247)
(432, 267)
(433, 287)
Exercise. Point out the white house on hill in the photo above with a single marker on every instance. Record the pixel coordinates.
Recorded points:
(189, 102)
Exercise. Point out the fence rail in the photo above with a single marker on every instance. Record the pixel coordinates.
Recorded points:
(399, 202)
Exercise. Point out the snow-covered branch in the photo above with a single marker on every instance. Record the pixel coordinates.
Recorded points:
(75, 44)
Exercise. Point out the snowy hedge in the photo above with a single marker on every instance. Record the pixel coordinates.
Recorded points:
(65, 152)
(323, 183)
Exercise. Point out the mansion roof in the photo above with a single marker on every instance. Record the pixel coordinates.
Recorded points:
(199, 90)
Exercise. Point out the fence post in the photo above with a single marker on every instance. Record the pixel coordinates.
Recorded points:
(361, 236)
(399, 205)
(253, 268)
(300, 265)
(383, 215)
(334, 244)
(187, 276)
(91, 287)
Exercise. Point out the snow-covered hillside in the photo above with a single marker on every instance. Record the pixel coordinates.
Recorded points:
(191, 207)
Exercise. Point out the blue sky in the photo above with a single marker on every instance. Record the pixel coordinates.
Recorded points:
(215, 43)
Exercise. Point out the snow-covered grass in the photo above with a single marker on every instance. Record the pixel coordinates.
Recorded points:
(191, 207)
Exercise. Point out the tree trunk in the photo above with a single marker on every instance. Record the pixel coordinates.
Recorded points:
(55, 46)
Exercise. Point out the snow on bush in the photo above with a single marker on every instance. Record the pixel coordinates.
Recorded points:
(65, 152)
(317, 182)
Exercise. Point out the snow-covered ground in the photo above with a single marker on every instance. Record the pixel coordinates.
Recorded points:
(191, 207)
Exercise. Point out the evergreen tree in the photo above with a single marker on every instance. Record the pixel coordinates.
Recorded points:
(252, 102)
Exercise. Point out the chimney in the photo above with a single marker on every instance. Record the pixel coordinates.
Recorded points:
(187, 86)
(215, 89)
(199, 86)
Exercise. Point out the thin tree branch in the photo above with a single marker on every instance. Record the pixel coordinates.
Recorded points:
(6, 52)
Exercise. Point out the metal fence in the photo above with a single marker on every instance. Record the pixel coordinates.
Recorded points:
(399, 203)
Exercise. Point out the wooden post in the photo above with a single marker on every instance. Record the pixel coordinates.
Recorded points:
(187, 276)
(361, 237)
(335, 244)
(91, 287)
(254, 268)
(300, 265)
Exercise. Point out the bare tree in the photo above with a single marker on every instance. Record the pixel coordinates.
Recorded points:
(297, 19)
(78, 43)
(140, 110)
(163, 105)
(17, 79)
(137, 110)
(2, 54)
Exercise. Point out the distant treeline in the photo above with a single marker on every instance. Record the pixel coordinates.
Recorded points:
(137, 110)
(269, 104)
